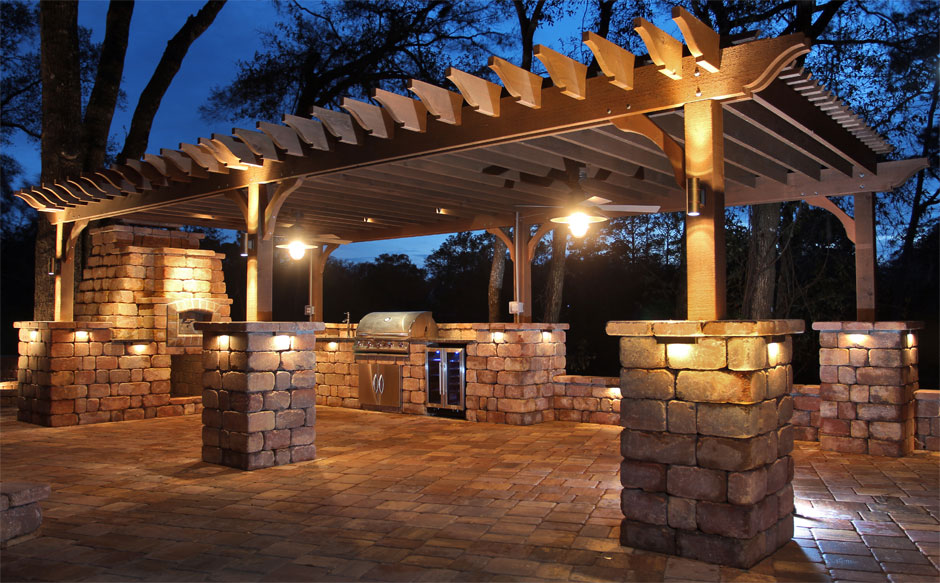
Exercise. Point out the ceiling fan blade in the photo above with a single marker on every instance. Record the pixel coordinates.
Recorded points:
(630, 208)
(597, 200)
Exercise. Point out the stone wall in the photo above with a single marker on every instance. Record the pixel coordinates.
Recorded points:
(586, 399)
(805, 419)
(511, 370)
(20, 513)
(259, 393)
(927, 416)
(74, 373)
(868, 375)
(707, 438)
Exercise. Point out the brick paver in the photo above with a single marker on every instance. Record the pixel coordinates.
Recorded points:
(404, 498)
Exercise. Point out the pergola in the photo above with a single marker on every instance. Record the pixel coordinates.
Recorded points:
(739, 119)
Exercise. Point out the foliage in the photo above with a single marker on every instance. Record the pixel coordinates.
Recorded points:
(321, 52)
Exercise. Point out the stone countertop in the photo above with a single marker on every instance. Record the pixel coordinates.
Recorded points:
(703, 328)
(285, 327)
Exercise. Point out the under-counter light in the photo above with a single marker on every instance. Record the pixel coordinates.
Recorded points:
(222, 341)
(546, 336)
(773, 350)
(282, 342)
(858, 339)
(81, 335)
(33, 335)
(331, 346)
(498, 337)
(910, 340)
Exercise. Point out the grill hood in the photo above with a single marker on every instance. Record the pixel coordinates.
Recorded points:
(391, 331)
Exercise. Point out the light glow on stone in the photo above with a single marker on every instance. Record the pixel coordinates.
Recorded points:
(282, 342)
(910, 340)
(33, 335)
(546, 336)
(139, 348)
(498, 337)
(858, 339)
(679, 349)
(222, 340)
(81, 335)
(332, 346)
(773, 350)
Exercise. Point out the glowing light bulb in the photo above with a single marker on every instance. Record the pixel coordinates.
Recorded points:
(296, 250)
(578, 223)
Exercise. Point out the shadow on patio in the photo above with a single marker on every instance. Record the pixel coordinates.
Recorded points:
(393, 497)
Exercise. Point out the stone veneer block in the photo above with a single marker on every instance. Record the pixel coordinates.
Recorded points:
(259, 396)
(927, 414)
(869, 377)
(706, 409)
(20, 513)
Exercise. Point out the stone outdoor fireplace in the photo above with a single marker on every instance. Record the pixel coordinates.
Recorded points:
(133, 351)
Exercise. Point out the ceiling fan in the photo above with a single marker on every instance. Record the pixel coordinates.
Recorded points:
(582, 210)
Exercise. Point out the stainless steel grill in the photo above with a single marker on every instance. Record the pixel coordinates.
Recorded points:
(392, 332)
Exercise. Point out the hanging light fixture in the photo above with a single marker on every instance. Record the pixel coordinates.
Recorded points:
(579, 218)
(296, 243)
(695, 196)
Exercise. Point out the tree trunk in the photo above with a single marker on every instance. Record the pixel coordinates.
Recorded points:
(107, 87)
(152, 95)
(61, 128)
(497, 269)
(555, 284)
(605, 10)
(786, 274)
(761, 262)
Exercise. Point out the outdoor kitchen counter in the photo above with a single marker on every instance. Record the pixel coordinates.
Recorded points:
(510, 369)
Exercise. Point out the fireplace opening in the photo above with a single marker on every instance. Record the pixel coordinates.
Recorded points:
(186, 375)
(187, 319)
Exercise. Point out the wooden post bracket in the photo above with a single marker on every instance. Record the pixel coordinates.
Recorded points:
(273, 206)
(823, 202)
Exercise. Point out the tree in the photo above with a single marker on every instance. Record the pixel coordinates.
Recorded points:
(319, 53)
(73, 141)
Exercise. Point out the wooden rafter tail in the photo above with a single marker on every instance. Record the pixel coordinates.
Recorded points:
(275, 202)
(310, 131)
(147, 171)
(796, 45)
(524, 86)
(99, 182)
(222, 154)
(643, 125)
(132, 176)
(410, 113)
(238, 149)
(184, 163)
(204, 157)
(63, 198)
(616, 62)
(443, 104)
(166, 167)
(74, 191)
(703, 42)
(48, 200)
(373, 119)
(665, 51)
(340, 125)
(283, 137)
(568, 75)
(259, 144)
(479, 93)
(88, 188)
(32, 200)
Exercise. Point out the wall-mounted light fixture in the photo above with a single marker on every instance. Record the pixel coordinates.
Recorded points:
(282, 342)
(244, 242)
(81, 335)
(695, 196)
(54, 267)
(497, 337)
(579, 218)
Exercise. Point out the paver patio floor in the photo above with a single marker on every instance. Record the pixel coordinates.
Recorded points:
(395, 497)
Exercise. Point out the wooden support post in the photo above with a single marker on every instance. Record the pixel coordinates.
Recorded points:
(63, 310)
(705, 234)
(522, 270)
(865, 257)
(260, 264)
(315, 286)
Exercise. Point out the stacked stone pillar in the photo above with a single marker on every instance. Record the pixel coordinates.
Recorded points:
(707, 438)
(259, 397)
(868, 375)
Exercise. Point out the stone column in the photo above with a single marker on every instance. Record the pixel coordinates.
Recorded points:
(259, 397)
(707, 438)
(868, 375)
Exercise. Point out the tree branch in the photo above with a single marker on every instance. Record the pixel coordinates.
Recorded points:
(169, 65)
